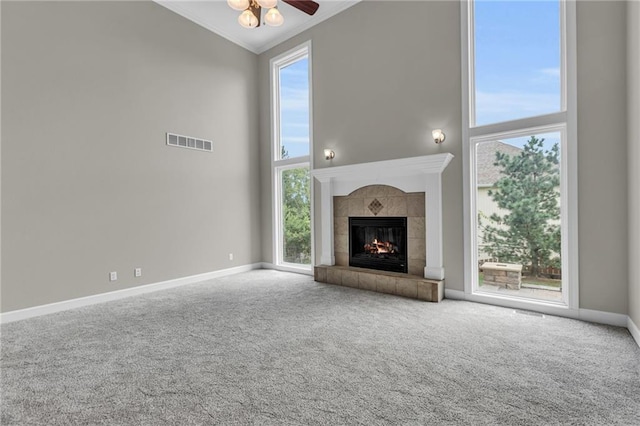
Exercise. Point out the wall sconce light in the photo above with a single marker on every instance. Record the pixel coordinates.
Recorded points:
(438, 136)
(329, 154)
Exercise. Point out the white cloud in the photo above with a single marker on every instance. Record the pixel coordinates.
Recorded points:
(298, 124)
(295, 140)
(492, 107)
(551, 72)
(294, 99)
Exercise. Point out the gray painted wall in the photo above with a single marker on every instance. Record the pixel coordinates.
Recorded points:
(386, 73)
(633, 114)
(602, 168)
(88, 184)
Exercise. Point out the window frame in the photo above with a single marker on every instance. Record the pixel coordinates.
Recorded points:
(564, 122)
(279, 165)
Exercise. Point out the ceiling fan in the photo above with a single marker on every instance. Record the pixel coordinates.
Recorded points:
(252, 11)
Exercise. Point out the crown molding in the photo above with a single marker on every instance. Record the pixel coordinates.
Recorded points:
(319, 17)
(193, 17)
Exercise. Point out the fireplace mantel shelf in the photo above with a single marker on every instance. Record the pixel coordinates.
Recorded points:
(397, 168)
(415, 174)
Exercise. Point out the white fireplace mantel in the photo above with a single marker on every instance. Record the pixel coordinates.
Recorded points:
(415, 174)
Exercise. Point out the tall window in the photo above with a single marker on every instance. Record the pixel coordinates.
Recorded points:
(517, 60)
(291, 142)
(520, 151)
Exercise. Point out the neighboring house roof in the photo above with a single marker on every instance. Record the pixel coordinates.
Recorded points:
(488, 174)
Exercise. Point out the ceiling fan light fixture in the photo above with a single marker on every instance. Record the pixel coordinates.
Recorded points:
(268, 4)
(247, 19)
(238, 4)
(252, 16)
(274, 18)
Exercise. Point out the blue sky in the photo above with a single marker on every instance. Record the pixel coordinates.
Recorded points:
(517, 64)
(294, 108)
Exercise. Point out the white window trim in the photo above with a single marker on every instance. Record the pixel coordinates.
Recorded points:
(278, 165)
(279, 237)
(565, 122)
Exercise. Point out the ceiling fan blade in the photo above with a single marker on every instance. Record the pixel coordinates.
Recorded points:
(307, 6)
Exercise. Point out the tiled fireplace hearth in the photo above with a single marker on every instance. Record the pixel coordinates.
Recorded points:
(407, 188)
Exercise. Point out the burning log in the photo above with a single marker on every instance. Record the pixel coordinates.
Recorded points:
(379, 247)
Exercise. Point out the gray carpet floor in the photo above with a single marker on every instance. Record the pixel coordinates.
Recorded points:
(267, 347)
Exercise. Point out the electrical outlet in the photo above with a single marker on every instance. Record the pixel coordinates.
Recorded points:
(230, 256)
(137, 272)
(113, 276)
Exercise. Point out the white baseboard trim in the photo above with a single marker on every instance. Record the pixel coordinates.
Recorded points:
(634, 330)
(305, 271)
(119, 294)
(454, 294)
(600, 317)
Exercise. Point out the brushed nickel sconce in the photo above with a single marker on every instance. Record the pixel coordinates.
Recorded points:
(329, 154)
(438, 136)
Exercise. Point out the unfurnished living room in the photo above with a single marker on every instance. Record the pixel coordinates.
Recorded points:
(320, 212)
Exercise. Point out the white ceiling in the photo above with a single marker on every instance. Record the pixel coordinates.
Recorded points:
(217, 16)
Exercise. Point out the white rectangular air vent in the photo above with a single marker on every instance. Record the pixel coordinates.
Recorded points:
(189, 142)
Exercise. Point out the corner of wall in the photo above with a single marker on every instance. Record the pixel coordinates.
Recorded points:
(0, 157)
(634, 330)
(633, 158)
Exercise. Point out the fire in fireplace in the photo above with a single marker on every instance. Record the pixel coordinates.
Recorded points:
(378, 243)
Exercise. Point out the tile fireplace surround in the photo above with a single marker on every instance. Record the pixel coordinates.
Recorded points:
(398, 185)
(391, 202)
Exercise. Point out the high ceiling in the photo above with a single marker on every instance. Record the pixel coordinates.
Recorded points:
(217, 16)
